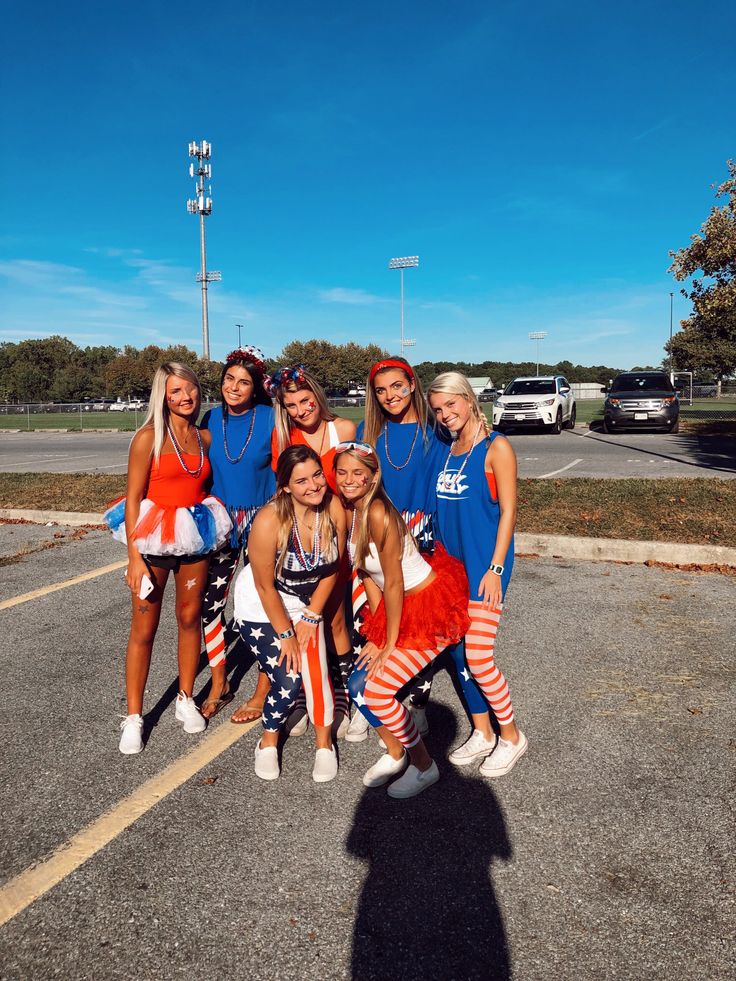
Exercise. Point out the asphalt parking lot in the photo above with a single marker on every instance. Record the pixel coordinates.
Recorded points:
(580, 453)
(607, 853)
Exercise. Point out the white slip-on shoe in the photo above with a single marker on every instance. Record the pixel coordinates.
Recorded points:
(267, 762)
(504, 757)
(188, 713)
(131, 740)
(342, 729)
(325, 765)
(413, 782)
(475, 748)
(358, 729)
(382, 771)
(419, 715)
(299, 727)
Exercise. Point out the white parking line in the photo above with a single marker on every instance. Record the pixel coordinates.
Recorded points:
(30, 885)
(46, 459)
(553, 473)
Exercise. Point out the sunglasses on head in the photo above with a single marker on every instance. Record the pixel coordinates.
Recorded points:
(362, 449)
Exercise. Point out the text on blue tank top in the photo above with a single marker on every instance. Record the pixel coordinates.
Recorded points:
(467, 516)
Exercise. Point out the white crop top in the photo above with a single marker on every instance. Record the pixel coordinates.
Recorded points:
(414, 567)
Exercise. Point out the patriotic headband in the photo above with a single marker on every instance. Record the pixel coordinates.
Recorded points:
(390, 363)
(251, 355)
(285, 376)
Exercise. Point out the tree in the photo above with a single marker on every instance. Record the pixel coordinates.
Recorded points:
(336, 366)
(707, 341)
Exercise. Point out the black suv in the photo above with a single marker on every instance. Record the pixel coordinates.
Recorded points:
(641, 399)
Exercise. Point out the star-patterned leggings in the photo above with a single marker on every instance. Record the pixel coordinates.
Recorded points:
(219, 577)
(285, 686)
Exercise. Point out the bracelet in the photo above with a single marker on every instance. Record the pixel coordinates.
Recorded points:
(287, 634)
(308, 616)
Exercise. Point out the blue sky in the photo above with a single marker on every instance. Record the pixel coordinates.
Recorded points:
(540, 158)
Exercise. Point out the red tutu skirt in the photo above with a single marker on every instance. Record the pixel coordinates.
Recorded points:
(435, 616)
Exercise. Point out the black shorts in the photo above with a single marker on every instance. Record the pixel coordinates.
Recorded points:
(173, 562)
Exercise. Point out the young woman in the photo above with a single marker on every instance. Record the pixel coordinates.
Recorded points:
(170, 524)
(409, 450)
(303, 418)
(416, 610)
(476, 514)
(240, 454)
(296, 545)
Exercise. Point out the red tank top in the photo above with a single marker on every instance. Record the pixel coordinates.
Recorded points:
(170, 486)
(297, 438)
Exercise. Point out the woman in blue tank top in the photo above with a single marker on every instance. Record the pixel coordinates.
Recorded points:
(476, 514)
(410, 449)
(243, 480)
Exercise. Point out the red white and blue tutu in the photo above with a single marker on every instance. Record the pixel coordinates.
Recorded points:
(195, 530)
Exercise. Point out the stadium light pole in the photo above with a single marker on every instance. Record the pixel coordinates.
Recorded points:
(537, 335)
(405, 262)
(672, 360)
(202, 206)
(239, 326)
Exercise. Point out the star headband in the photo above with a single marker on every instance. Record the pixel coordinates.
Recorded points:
(389, 363)
(285, 376)
(251, 355)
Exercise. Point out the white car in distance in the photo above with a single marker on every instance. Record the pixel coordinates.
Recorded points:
(542, 403)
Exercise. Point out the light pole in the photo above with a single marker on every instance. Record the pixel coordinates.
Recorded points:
(537, 335)
(406, 262)
(239, 326)
(672, 360)
(202, 206)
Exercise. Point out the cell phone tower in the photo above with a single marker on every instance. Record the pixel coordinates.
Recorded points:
(202, 206)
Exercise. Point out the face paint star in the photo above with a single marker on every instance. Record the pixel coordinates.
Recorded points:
(220, 581)
(283, 693)
(190, 583)
(256, 633)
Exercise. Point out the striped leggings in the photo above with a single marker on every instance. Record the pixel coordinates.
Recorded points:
(480, 642)
(214, 626)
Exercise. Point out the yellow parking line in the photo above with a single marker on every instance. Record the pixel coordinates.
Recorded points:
(30, 885)
(45, 590)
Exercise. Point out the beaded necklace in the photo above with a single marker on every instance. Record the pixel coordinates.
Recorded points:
(309, 560)
(449, 481)
(351, 543)
(239, 457)
(411, 448)
(178, 451)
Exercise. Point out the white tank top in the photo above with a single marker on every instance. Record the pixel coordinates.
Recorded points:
(414, 568)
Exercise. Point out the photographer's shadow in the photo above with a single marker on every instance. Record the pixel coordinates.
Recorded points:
(427, 910)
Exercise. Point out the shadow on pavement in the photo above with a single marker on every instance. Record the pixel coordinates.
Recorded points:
(700, 452)
(427, 909)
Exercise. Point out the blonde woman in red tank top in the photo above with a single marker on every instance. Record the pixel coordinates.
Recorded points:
(169, 524)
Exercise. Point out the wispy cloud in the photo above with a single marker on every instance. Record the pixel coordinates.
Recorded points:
(655, 128)
(353, 297)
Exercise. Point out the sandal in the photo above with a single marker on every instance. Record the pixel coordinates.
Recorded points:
(254, 713)
(224, 698)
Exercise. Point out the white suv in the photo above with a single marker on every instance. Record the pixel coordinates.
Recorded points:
(545, 402)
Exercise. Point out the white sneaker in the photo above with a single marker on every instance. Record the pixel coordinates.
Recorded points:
(381, 743)
(188, 713)
(342, 729)
(358, 729)
(413, 782)
(300, 727)
(419, 715)
(131, 740)
(503, 759)
(267, 762)
(325, 765)
(475, 748)
(381, 772)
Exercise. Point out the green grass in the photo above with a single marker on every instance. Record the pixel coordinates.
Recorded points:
(683, 509)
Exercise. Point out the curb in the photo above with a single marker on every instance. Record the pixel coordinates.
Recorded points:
(548, 546)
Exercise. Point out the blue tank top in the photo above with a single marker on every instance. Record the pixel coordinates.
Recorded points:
(468, 516)
(251, 481)
(409, 467)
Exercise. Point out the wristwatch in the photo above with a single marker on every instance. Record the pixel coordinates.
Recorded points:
(496, 569)
(287, 634)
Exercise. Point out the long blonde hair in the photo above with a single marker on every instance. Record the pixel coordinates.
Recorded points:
(284, 505)
(301, 379)
(158, 411)
(376, 492)
(453, 383)
(374, 414)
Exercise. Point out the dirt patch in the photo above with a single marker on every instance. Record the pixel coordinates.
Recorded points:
(60, 492)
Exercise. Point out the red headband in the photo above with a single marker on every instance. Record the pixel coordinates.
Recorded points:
(389, 363)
